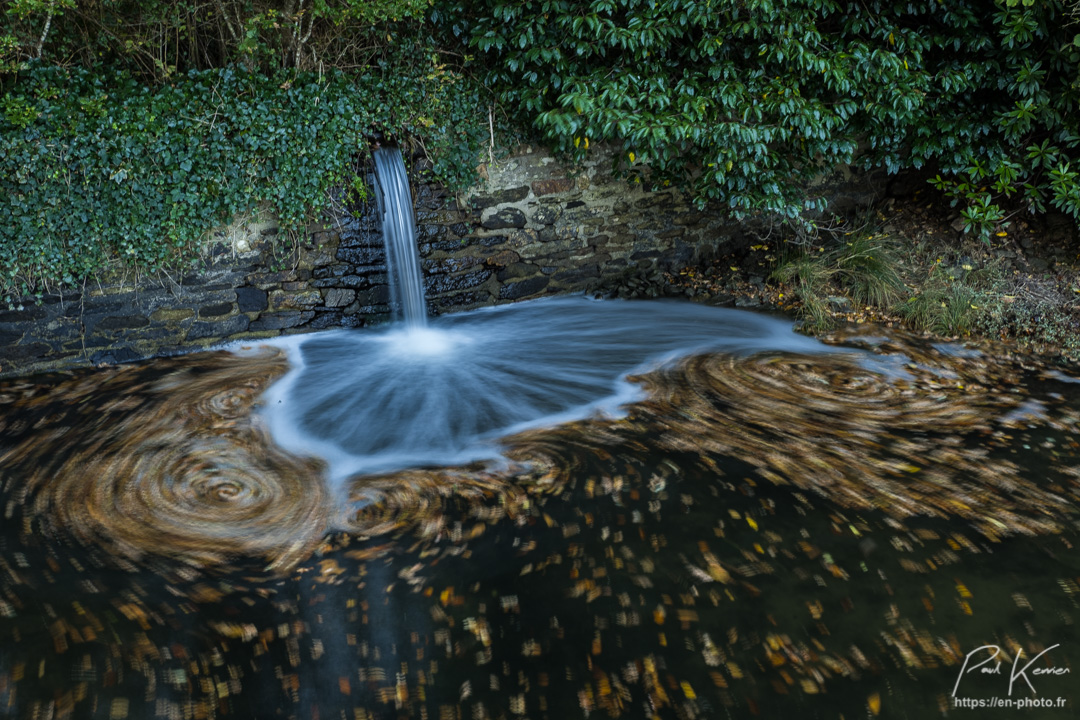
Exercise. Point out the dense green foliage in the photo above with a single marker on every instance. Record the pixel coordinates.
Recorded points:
(743, 99)
(95, 166)
(167, 117)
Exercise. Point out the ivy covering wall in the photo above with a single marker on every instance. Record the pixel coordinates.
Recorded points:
(102, 166)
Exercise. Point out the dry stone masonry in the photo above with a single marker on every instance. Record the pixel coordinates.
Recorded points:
(534, 227)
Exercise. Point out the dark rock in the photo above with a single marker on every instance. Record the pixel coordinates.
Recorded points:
(9, 337)
(353, 321)
(114, 356)
(378, 295)
(164, 333)
(839, 304)
(375, 312)
(514, 291)
(339, 297)
(27, 314)
(578, 274)
(215, 310)
(552, 186)
(651, 199)
(65, 297)
(517, 270)
(281, 320)
(332, 271)
(502, 258)
(266, 279)
(460, 301)
(96, 307)
(326, 320)
(282, 300)
(360, 239)
(349, 281)
(505, 218)
(24, 352)
(457, 243)
(431, 232)
(546, 215)
(451, 264)
(517, 194)
(123, 322)
(251, 299)
(438, 284)
(222, 328)
(574, 204)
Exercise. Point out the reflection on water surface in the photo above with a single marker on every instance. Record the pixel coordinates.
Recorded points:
(768, 534)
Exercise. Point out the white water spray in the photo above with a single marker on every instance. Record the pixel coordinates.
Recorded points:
(418, 393)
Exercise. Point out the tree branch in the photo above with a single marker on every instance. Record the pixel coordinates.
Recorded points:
(228, 23)
(44, 34)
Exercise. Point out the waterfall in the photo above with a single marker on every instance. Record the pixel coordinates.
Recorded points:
(399, 235)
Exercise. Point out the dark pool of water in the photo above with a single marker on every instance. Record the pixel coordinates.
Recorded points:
(738, 546)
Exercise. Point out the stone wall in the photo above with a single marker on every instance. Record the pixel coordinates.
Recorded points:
(534, 227)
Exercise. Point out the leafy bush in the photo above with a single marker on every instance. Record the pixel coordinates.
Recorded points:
(98, 166)
(743, 100)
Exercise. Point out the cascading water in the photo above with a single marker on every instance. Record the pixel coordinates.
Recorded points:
(415, 393)
(399, 234)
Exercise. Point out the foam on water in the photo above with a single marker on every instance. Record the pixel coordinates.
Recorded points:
(385, 399)
(422, 344)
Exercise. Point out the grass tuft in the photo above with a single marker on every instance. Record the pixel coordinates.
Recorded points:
(866, 266)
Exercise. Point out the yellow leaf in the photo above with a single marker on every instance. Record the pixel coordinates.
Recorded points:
(632, 156)
(1002, 234)
(874, 701)
(751, 522)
